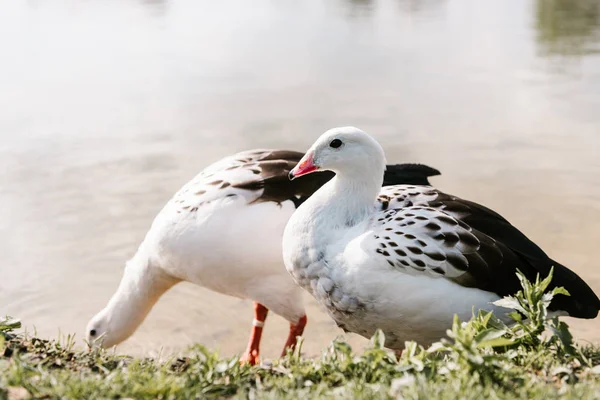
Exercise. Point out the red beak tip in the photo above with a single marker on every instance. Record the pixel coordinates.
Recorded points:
(305, 166)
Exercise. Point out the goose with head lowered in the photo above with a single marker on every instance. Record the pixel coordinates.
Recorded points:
(406, 258)
(223, 231)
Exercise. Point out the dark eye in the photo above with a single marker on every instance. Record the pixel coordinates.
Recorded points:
(335, 143)
(93, 332)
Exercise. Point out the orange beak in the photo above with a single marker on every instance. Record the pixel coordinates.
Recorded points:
(305, 166)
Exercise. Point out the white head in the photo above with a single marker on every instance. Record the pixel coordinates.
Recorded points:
(98, 332)
(140, 288)
(108, 328)
(347, 151)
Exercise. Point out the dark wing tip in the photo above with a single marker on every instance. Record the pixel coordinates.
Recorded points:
(582, 302)
(408, 174)
(273, 168)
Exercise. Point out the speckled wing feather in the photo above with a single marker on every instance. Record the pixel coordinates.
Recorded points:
(274, 182)
(227, 178)
(262, 176)
(423, 230)
(419, 239)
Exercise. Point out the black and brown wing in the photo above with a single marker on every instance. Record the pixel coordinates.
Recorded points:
(273, 166)
(429, 231)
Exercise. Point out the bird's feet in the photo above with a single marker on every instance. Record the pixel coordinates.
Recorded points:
(251, 354)
(250, 357)
(296, 330)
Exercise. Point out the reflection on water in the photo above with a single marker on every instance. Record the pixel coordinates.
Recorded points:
(568, 27)
(416, 6)
(158, 7)
(107, 108)
(367, 8)
(358, 8)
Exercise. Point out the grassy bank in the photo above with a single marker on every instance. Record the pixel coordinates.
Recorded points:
(481, 358)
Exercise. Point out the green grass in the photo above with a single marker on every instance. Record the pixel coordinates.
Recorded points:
(481, 358)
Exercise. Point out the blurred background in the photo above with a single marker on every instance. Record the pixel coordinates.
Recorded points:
(107, 107)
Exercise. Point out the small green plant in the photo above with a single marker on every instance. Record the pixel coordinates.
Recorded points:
(532, 302)
(8, 324)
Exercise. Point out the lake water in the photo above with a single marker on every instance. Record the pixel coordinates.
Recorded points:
(108, 107)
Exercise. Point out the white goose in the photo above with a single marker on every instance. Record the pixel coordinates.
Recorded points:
(404, 258)
(223, 231)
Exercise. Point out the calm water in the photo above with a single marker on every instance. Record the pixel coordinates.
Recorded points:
(108, 107)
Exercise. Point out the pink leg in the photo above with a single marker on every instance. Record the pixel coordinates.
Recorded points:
(252, 353)
(295, 330)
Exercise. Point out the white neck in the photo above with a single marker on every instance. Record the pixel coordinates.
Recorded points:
(343, 202)
(351, 200)
(141, 286)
